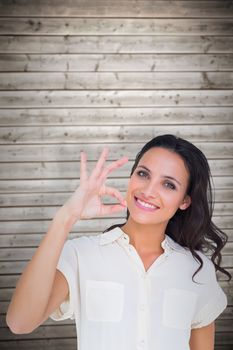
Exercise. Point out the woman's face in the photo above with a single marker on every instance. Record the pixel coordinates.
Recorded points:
(157, 187)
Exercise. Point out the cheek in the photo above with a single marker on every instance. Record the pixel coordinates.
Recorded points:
(170, 198)
(132, 184)
(173, 200)
(129, 190)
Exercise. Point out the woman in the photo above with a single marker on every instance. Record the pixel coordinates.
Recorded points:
(144, 284)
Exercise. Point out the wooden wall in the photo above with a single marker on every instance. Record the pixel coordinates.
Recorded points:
(81, 74)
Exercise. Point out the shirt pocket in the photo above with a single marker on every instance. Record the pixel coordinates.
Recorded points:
(104, 301)
(178, 308)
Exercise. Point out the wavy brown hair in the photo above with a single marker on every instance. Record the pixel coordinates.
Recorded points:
(192, 228)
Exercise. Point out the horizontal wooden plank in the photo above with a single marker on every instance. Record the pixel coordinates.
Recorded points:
(82, 134)
(56, 170)
(224, 338)
(223, 199)
(105, 8)
(7, 281)
(41, 186)
(115, 26)
(118, 116)
(115, 63)
(139, 98)
(69, 152)
(90, 134)
(116, 81)
(115, 44)
(223, 325)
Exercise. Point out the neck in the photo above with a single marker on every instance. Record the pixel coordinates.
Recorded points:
(145, 238)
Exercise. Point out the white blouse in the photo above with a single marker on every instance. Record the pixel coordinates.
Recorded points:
(117, 304)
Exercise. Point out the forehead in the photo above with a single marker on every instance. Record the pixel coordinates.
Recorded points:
(165, 161)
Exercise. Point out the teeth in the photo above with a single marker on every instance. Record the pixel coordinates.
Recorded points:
(147, 205)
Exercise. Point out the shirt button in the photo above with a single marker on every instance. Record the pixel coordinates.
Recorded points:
(142, 307)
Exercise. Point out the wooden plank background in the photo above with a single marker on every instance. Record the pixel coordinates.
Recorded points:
(82, 74)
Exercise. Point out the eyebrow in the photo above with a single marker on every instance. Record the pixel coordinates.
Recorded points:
(166, 176)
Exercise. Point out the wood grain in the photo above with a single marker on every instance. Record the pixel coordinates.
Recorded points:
(105, 8)
(115, 44)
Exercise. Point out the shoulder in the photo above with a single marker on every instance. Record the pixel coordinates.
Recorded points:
(207, 262)
(207, 272)
(190, 262)
(188, 257)
(208, 265)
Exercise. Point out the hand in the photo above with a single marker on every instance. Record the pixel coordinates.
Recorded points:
(86, 200)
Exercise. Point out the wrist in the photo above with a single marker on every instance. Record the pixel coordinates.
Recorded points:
(64, 218)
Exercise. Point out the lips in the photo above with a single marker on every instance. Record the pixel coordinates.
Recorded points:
(145, 205)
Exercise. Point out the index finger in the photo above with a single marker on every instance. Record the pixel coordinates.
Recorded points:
(100, 162)
(117, 164)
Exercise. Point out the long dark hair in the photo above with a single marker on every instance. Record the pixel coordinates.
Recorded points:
(192, 228)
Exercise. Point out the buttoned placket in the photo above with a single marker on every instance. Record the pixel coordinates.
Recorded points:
(144, 287)
(143, 311)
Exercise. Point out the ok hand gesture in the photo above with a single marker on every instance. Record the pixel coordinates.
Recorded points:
(86, 200)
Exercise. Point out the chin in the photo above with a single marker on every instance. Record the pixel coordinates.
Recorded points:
(142, 219)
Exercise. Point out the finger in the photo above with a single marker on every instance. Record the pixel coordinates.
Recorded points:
(111, 209)
(83, 166)
(113, 166)
(111, 191)
(100, 163)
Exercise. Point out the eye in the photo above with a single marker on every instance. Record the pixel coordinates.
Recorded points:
(170, 185)
(142, 173)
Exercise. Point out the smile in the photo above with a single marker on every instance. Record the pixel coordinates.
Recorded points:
(144, 205)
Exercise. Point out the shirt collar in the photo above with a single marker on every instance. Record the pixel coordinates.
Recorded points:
(110, 236)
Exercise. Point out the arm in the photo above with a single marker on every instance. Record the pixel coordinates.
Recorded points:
(27, 307)
(41, 287)
(203, 338)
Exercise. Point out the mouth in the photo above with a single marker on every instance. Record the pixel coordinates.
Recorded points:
(144, 205)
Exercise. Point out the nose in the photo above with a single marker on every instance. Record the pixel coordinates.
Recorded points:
(150, 191)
